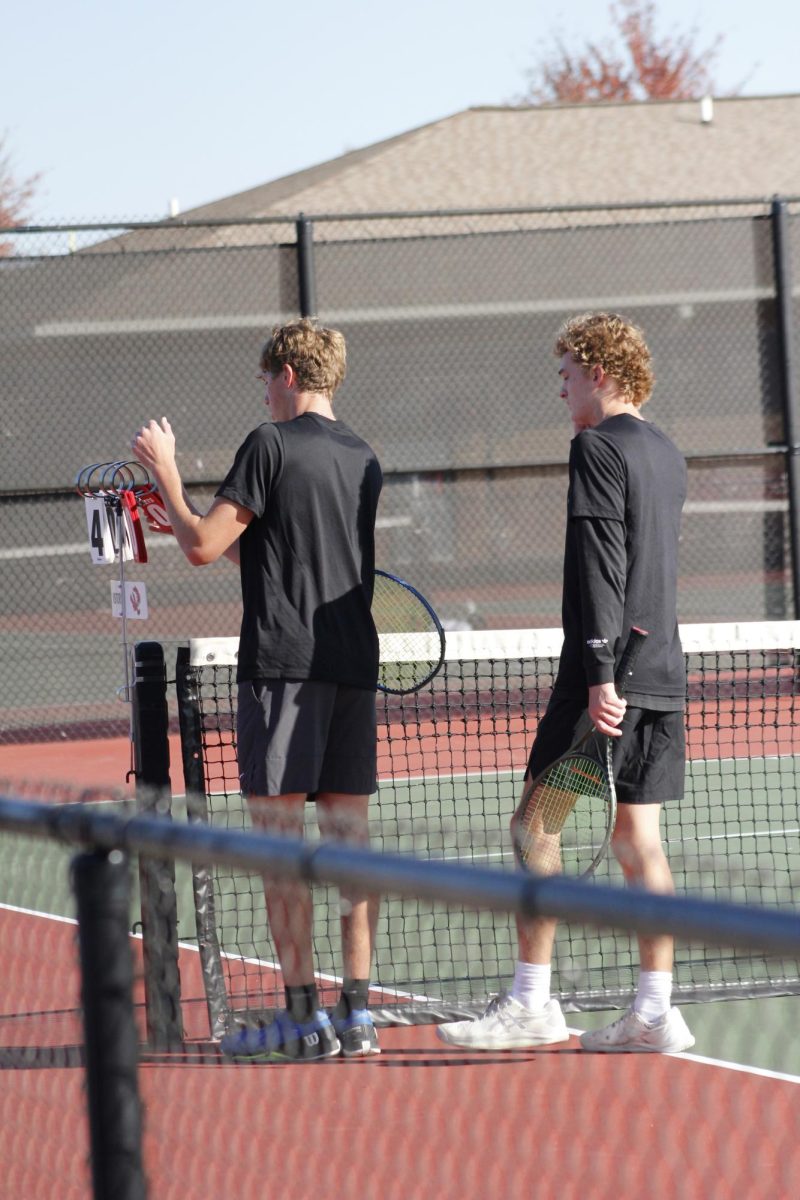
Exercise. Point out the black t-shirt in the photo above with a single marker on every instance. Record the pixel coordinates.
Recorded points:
(307, 558)
(627, 486)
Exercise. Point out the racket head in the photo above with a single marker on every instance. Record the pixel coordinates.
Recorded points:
(567, 814)
(566, 817)
(412, 641)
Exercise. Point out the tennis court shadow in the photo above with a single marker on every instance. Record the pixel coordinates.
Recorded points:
(37, 1058)
(188, 1054)
(209, 1055)
(450, 1056)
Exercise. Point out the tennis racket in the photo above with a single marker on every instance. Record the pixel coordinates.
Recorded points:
(410, 634)
(566, 817)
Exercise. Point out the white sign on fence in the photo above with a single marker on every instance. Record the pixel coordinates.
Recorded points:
(135, 600)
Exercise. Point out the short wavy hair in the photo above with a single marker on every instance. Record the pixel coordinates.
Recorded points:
(618, 346)
(317, 355)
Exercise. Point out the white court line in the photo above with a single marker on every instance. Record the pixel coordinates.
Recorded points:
(505, 773)
(267, 964)
(322, 975)
(745, 1070)
(707, 1062)
(258, 962)
(32, 912)
(723, 1064)
(729, 837)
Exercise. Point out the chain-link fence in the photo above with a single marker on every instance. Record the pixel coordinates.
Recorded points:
(450, 322)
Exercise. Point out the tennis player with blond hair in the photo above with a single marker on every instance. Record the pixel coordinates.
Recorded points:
(627, 486)
(297, 511)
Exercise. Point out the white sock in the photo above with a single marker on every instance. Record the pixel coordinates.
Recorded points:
(653, 995)
(531, 986)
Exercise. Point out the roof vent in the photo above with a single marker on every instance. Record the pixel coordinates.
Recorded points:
(707, 110)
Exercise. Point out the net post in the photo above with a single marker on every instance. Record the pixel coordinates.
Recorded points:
(150, 723)
(191, 728)
(101, 881)
(306, 277)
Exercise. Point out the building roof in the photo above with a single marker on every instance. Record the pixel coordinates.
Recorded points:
(552, 155)
(542, 157)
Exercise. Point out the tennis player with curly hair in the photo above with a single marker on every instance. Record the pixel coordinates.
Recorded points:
(627, 486)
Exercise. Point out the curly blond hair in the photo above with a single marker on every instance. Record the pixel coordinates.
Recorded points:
(316, 354)
(609, 341)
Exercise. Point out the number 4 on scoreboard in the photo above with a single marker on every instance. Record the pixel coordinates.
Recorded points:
(108, 519)
(102, 545)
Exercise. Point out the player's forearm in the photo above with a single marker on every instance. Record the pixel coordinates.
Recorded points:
(203, 537)
(185, 518)
(232, 553)
(189, 502)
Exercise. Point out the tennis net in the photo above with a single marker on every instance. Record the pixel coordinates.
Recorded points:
(451, 761)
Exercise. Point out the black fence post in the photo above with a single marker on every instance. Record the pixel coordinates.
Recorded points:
(101, 880)
(306, 274)
(791, 416)
(162, 981)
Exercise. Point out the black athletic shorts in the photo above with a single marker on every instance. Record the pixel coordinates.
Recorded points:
(649, 757)
(305, 736)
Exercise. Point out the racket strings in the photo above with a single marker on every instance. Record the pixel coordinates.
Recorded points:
(567, 811)
(410, 634)
(408, 659)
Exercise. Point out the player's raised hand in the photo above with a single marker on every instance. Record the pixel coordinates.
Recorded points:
(154, 445)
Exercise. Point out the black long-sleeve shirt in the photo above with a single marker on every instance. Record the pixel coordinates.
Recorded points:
(627, 486)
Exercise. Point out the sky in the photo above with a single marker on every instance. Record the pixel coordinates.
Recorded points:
(124, 106)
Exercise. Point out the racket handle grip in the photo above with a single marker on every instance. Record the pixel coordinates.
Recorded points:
(633, 646)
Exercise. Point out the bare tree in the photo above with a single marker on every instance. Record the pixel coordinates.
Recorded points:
(15, 196)
(645, 67)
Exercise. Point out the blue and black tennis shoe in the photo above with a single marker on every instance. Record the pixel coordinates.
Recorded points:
(357, 1034)
(284, 1040)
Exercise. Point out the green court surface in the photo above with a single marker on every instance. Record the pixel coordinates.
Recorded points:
(734, 837)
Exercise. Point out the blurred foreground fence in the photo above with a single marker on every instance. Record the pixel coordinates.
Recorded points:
(450, 320)
(142, 1078)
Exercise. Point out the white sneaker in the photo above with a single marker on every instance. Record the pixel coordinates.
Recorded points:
(508, 1025)
(668, 1035)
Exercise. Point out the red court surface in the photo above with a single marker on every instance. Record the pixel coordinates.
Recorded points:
(105, 762)
(422, 1120)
